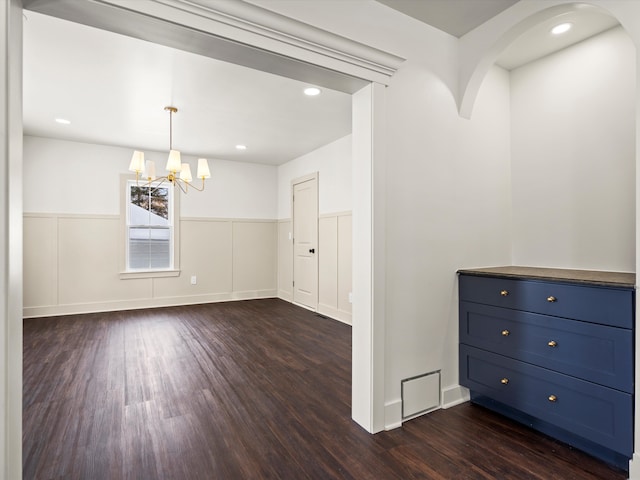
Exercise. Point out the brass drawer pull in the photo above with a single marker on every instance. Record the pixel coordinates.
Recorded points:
(505, 333)
(504, 381)
(504, 293)
(552, 299)
(553, 398)
(553, 343)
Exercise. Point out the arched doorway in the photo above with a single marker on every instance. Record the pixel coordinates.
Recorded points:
(483, 47)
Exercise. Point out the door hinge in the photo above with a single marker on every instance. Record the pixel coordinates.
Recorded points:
(293, 283)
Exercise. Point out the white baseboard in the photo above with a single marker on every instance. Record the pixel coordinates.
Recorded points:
(454, 395)
(253, 294)
(285, 295)
(634, 467)
(393, 414)
(336, 314)
(79, 308)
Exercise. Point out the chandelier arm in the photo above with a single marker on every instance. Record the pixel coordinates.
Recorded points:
(158, 181)
(179, 183)
(196, 188)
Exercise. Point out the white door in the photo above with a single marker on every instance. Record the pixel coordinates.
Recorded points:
(305, 241)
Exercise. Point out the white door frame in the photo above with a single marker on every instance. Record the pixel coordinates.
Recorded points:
(248, 33)
(11, 240)
(294, 182)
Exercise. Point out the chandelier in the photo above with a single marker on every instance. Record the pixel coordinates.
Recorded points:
(178, 173)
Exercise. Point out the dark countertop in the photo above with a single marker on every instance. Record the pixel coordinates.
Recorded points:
(592, 277)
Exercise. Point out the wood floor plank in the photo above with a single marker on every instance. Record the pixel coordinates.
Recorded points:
(243, 390)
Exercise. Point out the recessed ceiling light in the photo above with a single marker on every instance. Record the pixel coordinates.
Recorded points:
(312, 91)
(561, 28)
(241, 147)
(63, 121)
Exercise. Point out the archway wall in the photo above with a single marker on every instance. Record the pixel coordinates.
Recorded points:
(444, 188)
(480, 48)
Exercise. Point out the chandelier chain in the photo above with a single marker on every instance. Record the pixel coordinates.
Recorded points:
(171, 111)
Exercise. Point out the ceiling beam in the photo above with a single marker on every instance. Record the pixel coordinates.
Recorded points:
(236, 32)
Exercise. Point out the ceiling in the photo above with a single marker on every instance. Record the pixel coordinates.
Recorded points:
(539, 42)
(458, 17)
(113, 88)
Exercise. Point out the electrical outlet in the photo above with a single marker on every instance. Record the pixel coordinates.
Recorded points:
(350, 297)
(194, 280)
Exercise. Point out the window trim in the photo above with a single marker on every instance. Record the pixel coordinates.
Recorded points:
(125, 272)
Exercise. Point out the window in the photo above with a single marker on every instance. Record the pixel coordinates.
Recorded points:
(149, 228)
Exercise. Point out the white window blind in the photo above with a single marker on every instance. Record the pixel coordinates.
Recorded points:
(149, 227)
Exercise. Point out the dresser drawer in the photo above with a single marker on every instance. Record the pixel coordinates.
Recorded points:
(596, 413)
(607, 306)
(589, 351)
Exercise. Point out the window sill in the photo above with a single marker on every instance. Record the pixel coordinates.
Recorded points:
(149, 274)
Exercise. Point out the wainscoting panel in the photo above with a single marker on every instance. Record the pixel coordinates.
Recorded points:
(41, 263)
(89, 259)
(72, 264)
(327, 264)
(334, 266)
(285, 260)
(255, 247)
(205, 252)
(344, 266)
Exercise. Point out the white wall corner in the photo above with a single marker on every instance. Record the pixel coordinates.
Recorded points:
(454, 395)
(634, 467)
(368, 382)
(393, 414)
(11, 246)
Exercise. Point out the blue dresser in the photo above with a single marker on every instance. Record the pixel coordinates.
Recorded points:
(553, 349)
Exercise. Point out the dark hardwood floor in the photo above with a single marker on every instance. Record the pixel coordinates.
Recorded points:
(243, 390)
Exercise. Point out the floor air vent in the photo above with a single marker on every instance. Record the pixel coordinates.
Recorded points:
(420, 394)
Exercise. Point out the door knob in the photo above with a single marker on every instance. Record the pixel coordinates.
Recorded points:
(312, 250)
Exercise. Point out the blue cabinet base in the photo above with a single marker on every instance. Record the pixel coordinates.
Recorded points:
(613, 458)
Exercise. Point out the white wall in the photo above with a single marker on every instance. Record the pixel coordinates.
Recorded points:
(448, 208)
(58, 173)
(447, 184)
(229, 238)
(333, 162)
(74, 240)
(573, 156)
